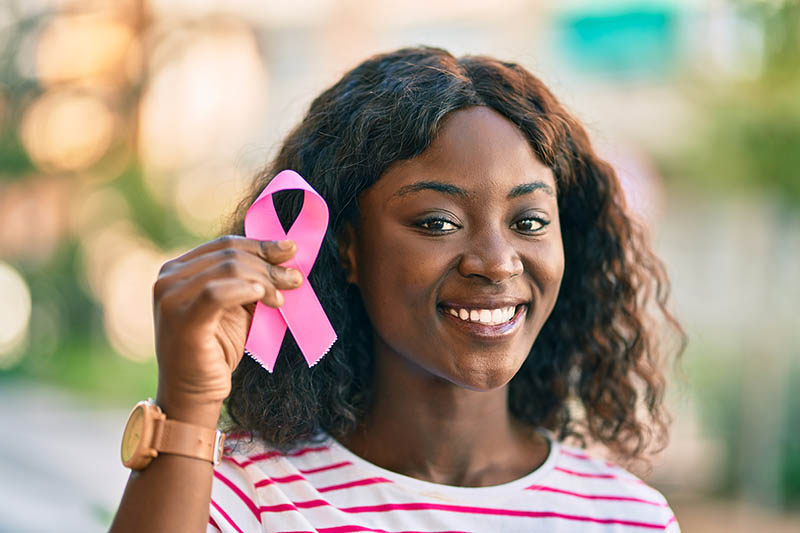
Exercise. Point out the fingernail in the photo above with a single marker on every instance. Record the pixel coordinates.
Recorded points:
(279, 298)
(294, 275)
(286, 245)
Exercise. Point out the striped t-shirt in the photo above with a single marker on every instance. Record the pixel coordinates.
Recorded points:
(326, 488)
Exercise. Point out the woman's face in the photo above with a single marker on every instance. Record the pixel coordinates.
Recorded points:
(459, 255)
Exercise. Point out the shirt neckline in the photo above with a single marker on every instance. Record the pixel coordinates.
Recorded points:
(430, 488)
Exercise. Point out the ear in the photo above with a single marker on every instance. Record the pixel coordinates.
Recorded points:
(347, 253)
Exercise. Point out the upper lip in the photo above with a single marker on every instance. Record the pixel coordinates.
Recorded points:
(483, 303)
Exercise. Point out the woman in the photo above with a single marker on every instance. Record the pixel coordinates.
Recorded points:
(490, 294)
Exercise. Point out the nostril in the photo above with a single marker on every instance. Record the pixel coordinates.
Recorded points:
(493, 269)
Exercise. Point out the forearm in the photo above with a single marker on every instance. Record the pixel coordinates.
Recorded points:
(173, 493)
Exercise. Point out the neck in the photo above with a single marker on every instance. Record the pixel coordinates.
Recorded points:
(425, 427)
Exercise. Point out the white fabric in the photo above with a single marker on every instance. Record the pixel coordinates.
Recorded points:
(326, 488)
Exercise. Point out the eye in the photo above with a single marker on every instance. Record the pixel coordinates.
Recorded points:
(437, 225)
(532, 224)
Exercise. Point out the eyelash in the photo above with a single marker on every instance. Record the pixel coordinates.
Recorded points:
(426, 223)
(542, 222)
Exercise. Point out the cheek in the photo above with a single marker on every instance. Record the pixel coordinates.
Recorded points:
(396, 278)
(552, 270)
(554, 276)
(547, 268)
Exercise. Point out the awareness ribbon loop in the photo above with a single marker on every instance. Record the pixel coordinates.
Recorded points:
(301, 312)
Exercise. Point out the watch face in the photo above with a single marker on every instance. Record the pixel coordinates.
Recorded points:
(133, 434)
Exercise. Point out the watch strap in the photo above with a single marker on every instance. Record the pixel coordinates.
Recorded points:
(181, 438)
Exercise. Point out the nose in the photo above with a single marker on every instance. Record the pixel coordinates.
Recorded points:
(490, 256)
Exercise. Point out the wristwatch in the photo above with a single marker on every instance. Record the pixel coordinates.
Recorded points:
(148, 432)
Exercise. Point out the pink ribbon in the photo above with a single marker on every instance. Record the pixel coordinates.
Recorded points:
(301, 311)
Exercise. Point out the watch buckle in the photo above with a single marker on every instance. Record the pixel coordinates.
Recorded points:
(219, 444)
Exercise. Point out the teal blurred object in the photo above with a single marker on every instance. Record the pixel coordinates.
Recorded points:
(630, 42)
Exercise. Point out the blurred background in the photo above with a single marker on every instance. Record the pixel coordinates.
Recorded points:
(129, 128)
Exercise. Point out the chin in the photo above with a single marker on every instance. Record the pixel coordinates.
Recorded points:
(486, 376)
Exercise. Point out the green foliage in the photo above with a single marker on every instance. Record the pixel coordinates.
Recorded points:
(14, 160)
(92, 370)
(157, 222)
(790, 471)
(67, 345)
(717, 384)
(752, 129)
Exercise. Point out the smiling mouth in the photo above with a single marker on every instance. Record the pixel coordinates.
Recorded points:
(496, 320)
(491, 317)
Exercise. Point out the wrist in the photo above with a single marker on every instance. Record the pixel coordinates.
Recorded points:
(149, 433)
(199, 412)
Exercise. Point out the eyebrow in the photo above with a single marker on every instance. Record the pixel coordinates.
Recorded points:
(437, 186)
(527, 188)
(454, 190)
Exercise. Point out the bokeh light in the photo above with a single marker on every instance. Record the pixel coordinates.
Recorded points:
(86, 48)
(204, 196)
(66, 130)
(203, 100)
(94, 209)
(128, 304)
(15, 313)
(121, 267)
(102, 248)
(33, 217)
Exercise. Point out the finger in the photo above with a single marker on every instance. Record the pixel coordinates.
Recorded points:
(179, 288)
(277, 252)
(220, 294)
(194, 286)
(272, 251)
(281, 277)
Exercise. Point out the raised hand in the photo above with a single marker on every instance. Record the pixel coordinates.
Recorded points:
(203, 302)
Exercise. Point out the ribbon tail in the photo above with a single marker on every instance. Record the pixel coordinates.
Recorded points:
(308, 323)
(266, 335)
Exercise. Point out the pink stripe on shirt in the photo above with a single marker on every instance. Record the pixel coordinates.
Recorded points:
(326, 467)
(242, 496)
(543, 488)
(389, 507)
(350, 501)
(269, 455)
(283, 479)
(583, 456)
(294, 506)
(226, 517)
(425, 506)
(357, 483)
(353, 529)
(597, 476)
(382, 508)
(575, 455)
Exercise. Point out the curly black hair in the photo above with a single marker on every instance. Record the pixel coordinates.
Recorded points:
(597, 358)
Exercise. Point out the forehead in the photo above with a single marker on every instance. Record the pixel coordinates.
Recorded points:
(478, 150)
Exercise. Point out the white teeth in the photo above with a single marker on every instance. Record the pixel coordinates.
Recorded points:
(485, 316)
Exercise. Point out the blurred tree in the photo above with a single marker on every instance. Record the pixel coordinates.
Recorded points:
(748, 141)
(68, 344)
(752, 128)
(14, 90)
